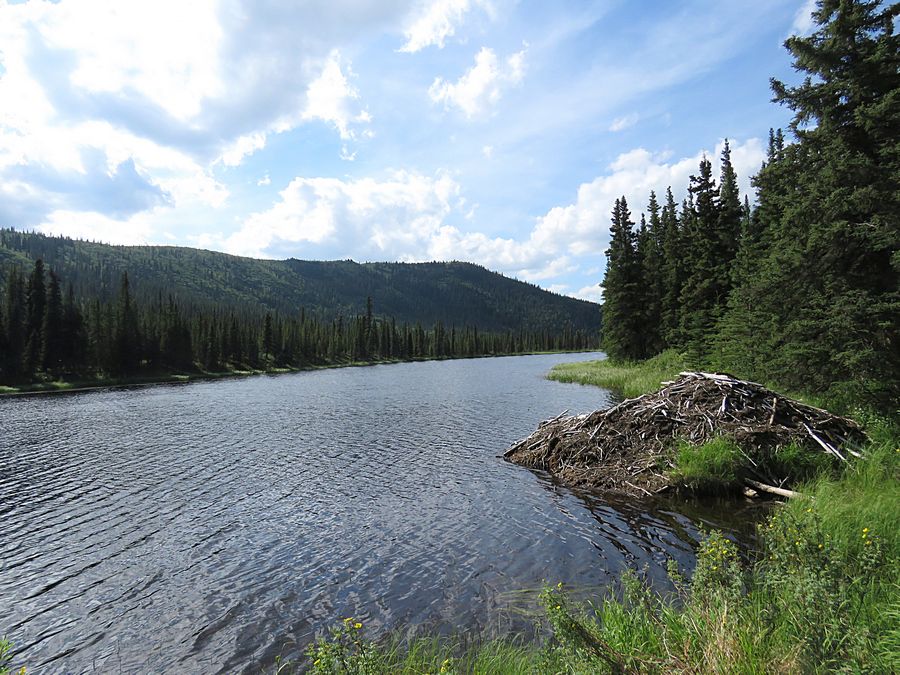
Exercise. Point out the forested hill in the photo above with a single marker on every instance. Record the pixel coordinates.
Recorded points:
(454, 293)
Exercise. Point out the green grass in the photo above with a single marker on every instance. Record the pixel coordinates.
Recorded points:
(715, 466)
(628, 379)
(347, 651)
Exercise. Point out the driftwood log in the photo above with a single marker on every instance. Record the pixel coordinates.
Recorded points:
(628, 448)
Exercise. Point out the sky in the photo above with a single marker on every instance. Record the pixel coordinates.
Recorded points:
(498, 132)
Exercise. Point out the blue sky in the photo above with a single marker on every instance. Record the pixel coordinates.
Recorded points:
(494, 131)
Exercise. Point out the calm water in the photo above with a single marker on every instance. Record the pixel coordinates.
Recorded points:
(210, 527)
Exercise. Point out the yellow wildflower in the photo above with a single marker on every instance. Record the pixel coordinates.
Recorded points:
(357, 625)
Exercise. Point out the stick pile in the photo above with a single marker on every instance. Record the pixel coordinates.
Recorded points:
(627, 448)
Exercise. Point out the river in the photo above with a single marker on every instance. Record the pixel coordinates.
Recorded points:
(213, 526)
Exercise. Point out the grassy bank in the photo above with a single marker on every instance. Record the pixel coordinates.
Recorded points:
(628, 379)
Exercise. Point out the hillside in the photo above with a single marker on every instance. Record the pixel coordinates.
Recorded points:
(455, 293)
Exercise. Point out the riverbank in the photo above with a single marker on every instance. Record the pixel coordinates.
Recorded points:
(51, 386)
(626, 379)
(821, 593)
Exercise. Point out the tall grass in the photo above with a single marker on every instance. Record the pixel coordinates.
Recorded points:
(628, 379)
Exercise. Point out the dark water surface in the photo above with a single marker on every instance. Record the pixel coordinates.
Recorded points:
(210, 527)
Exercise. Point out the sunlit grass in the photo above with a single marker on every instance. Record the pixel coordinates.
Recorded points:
(627, 379)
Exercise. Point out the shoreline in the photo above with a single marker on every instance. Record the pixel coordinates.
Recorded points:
(82, 385)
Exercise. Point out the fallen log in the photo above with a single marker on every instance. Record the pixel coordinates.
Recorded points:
(771, 489)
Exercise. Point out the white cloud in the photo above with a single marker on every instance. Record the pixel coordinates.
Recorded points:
(488, 151)
(265, 180)
(364, 218)
(331, 98)
(97, 94)
(594, 293)
(482, 84)
(244, 146)
(625, 122)
(99, 227)
(437, 20)
(803, 20)
(117, 49)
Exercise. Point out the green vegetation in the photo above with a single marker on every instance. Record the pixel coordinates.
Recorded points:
(452, 293)
(715, 466)
(627, 378)
(803, 289)
(347, 651)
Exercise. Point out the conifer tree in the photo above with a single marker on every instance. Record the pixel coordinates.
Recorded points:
(127, 342)
(730, 215)
(826, 288)
(268, 337)
(702, 291)
(51, 329)
(672, 272)
(622, 289)
(74, 337)
(12, 359)
(36, 305)
(652, 258)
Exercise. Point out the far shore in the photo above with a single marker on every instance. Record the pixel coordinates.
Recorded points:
(90, 384)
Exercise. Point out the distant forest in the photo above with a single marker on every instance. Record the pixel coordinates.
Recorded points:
(454, 293)
(48, 331)
(802, 289)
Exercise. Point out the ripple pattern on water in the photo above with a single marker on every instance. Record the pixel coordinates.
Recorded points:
(213, 526)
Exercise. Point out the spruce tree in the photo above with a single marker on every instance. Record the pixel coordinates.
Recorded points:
(14, 355)
(672, 272)
(702, 292)
(731, 213)
(652, 260)
(51, 330)
(74, 336)
(36, 305)
(622, 289)
(127, 340)
(826, 287)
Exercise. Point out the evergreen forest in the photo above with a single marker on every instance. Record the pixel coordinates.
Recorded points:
(799, 288)
(47, 331)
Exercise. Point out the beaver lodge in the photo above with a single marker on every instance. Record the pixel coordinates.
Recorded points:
(632, 447)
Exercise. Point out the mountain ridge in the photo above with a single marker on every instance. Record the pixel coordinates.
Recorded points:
(454, 292)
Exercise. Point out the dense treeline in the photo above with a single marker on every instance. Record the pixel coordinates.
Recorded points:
(802, 288)
(454, 293)
(48, 332)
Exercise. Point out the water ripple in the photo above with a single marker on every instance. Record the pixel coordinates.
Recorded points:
(214, 526)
